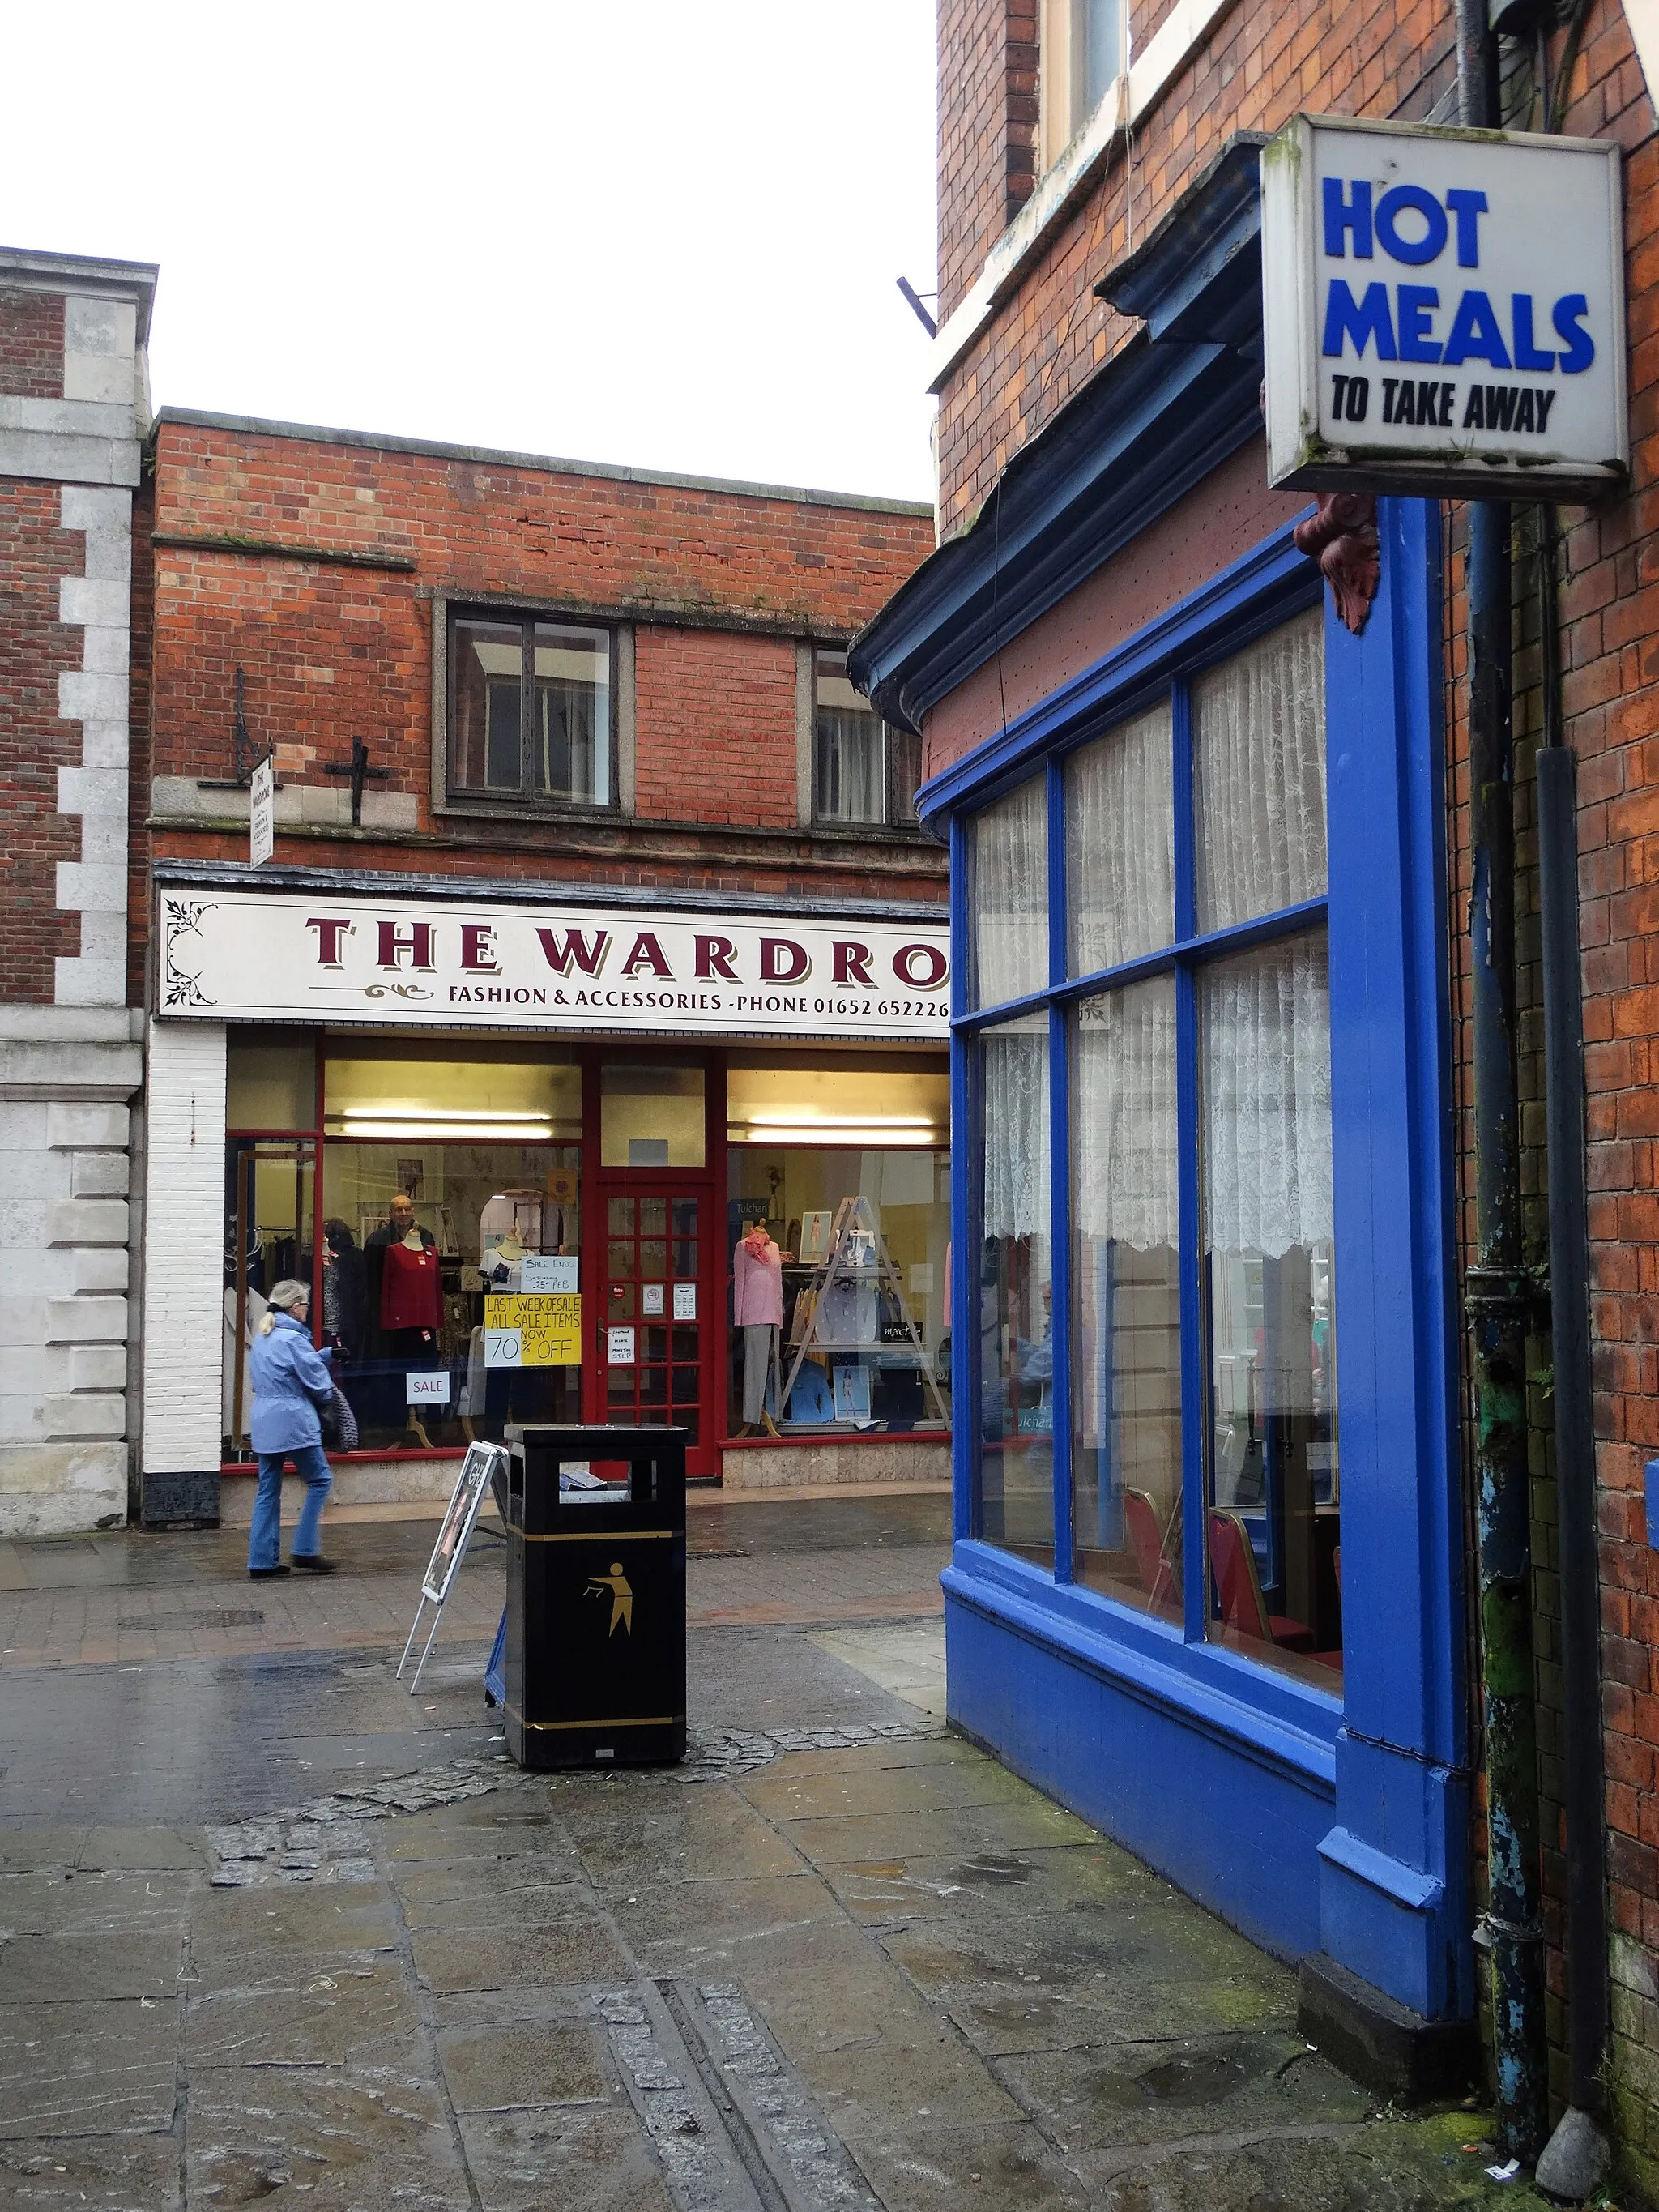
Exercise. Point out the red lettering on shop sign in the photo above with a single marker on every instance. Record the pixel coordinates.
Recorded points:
(715, 958)
(852, 962)
(394, 945)
(783, 961)
(575, 951)
(648, 958)
(330, 930)
(923, 967)
(478, 948)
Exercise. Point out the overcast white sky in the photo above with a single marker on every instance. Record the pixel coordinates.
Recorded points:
(650, 232)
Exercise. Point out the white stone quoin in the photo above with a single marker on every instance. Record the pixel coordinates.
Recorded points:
(70, 1070)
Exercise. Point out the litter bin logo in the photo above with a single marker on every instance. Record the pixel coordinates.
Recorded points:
(621, 1594)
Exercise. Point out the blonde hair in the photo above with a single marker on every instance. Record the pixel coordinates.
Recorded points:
(284, 1297)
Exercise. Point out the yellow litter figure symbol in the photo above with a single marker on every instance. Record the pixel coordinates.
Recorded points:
(622, 1596)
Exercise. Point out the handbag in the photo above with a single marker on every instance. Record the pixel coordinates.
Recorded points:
(338, 1422)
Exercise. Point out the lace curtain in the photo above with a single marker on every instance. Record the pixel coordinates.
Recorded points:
(1120, 845)
(1124, 1117)
(1011, 895)
(1264, 1059)
(1016, 1185)
(1259, 775)
(849, 766)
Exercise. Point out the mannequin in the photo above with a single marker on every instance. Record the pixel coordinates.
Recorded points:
(758, 1310)
(503, 1264)
(406, 1299)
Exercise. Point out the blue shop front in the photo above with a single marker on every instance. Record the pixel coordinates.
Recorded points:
(1206, 1579)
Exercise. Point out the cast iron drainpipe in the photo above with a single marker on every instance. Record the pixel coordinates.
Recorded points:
(1575, 1424)
(1496, 1292)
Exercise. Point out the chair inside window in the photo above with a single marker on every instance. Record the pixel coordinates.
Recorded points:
(1238, 1588)
(1157, 1556)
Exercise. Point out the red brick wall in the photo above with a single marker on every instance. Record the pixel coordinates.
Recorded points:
(988, 119)
(330, 652)
(31, 344)
(711, 714)
(1258, 66)
(35, 650)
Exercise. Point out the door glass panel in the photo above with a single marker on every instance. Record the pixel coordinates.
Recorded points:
(619, 1216)
(643, 1268)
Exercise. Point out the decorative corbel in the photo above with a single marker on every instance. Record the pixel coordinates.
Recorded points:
(1341, 536)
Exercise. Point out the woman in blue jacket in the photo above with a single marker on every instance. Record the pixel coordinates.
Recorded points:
(291, 1381)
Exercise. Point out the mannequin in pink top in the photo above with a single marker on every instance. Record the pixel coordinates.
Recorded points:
(758, 1310)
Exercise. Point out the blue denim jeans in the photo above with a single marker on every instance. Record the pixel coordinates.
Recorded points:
(263, 1542)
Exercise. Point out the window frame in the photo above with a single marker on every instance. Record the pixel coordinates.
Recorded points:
(1057, 22)
(891, 822)
(1053, 739)
(452, 797)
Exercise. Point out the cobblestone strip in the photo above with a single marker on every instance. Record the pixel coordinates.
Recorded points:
(704, 2167)
(324, 1840)
(814, 2169)
(720, 1753)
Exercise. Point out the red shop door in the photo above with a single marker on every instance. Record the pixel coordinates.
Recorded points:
(654, 1347)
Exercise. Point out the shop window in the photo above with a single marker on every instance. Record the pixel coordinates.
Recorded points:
(861, 1343)
(864, 770)
(1196, 1184)
(1083, 45)
(477, 1090)
(440, 1181)
(270, 1079)
(777, 1101)
(530, 711)
(651, 1115)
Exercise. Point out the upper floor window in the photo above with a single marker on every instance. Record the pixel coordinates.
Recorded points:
(530, 715)
(863, 770)
(1085, 45)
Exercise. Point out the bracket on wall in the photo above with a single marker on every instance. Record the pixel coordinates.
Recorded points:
(358, 769)
(245, 756)
(1340, 534)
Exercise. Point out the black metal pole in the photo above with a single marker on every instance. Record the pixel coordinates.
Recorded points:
(1575, 1424)
(1497, 1293)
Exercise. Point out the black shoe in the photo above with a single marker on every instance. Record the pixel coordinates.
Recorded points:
(259, 1574)
(313, 1563)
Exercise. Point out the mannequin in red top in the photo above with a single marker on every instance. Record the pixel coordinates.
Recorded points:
(406, 1297)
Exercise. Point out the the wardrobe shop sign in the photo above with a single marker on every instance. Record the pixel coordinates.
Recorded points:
(253, 956)
(1444, 311)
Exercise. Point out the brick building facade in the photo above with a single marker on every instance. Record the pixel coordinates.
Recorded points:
(611, 781)
(1075, 539)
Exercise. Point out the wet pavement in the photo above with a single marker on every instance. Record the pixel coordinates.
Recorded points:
(269, 1928)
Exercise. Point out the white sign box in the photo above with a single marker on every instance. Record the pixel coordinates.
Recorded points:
(1444, 311)
(451, 964)
(262, 812)
(431, 1390)
(552, 1272)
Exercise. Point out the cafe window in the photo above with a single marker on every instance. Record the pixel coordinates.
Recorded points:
(1191, 1031)
(530, 719)
(864, 770)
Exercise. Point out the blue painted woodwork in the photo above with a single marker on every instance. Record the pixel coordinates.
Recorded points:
(1307, 1825)
(1165, 412)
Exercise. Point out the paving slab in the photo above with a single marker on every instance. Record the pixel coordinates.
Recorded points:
(293, 2016)
(45, 1969)
(107, 2173)
(576, 2160)
(368, 2139)
(75, 2068)
(94, 1904)
(561, 1953)
(992, 2167)
(527, 2066)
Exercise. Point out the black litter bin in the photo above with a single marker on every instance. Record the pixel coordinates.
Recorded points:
(595, 1667)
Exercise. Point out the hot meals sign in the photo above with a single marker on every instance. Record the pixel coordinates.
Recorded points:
(268, 956)
(1444, 311)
